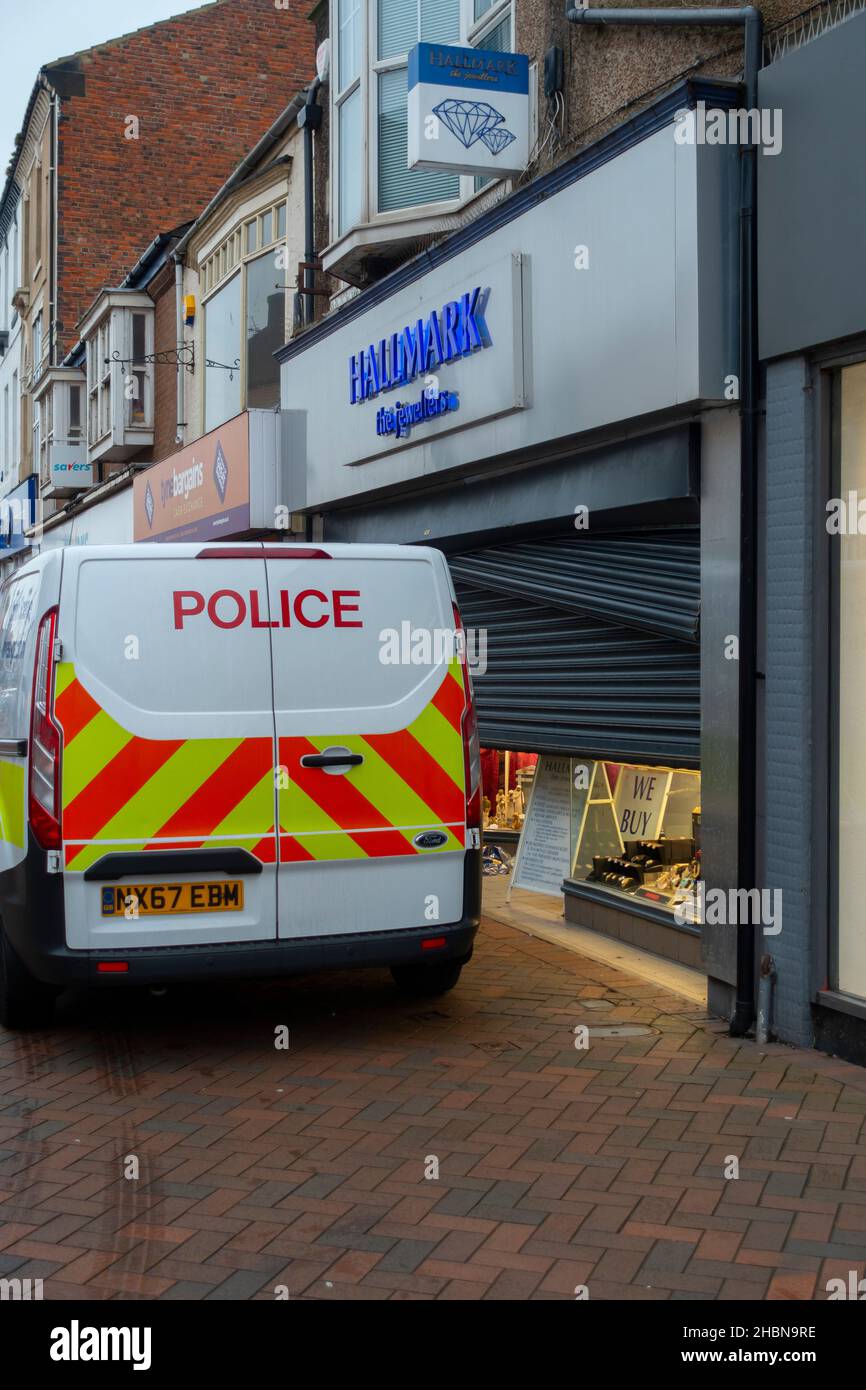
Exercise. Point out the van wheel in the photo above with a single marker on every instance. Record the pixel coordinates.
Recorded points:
(426, 980)
(24, 1001)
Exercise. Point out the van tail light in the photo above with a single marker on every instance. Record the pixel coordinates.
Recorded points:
(469, 730)
(43, 792)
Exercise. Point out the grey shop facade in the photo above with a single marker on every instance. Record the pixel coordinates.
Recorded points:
(545, 396)
(812, 340)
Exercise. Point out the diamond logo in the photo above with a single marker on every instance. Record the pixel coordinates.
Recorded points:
(469, 120)
(220, 472)
(497, 139)
(149, 505)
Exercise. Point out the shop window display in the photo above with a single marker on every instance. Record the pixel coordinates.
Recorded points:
(506, 779)
(635, 831)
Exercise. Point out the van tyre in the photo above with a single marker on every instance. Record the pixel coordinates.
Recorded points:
(24, 1001)
(423, 981)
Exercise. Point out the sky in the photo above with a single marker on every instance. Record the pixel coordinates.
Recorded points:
(35, 32)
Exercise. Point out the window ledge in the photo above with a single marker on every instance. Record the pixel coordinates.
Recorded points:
(113, 450)
(624, 902)
(842, 1002)
(372, 249)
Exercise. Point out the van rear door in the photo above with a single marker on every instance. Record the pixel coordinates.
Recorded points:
(369, 697)
(163, 696)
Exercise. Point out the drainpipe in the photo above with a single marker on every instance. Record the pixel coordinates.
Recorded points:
(751, 21)
(309, 119)
(52, 231)
(765, 999)
(178, 309)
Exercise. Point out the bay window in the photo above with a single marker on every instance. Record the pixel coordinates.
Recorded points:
(243, 282)
(373, 39)
(222, 332)
(62, 449)
(118, 333)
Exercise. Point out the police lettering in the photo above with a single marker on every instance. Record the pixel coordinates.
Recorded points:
(226, 608)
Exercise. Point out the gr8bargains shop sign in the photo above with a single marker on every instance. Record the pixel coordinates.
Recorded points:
(200, 493)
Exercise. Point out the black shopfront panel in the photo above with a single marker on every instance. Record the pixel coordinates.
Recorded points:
(591, 644)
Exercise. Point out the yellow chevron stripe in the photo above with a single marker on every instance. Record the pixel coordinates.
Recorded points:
(298, 811)
(89, 752)
(338, 846)
(12, 803)
(441, 740)
(254, 812)
(169, 787)
(82, 856)
(64, 676)
(397, 801)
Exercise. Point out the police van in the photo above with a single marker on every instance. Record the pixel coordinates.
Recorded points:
(209, 770)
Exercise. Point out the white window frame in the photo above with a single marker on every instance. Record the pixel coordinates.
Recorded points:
(216, 272)
(133, 368)
(107, 420)
(37, 346)
(46, 433)
(38, 208)
(52, 402)
(472, 34)
(16, 420)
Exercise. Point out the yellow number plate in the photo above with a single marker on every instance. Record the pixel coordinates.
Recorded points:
(156, 899)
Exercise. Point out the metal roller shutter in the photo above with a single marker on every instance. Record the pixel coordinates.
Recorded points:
(591, 644)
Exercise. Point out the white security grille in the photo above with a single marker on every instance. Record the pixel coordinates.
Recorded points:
(809, 25)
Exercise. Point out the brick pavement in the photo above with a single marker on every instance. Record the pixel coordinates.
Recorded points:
(305, 1168)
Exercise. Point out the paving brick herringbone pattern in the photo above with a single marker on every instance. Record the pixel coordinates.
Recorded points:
(312, 1168)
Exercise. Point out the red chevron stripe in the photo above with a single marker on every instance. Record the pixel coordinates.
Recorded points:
(74, 709)
(292, 851)
(449, 700)
(202, 812)
(336, 796)
(117, 783)
(174, 844)
(266, 849)
(411, 761)
(382, 844)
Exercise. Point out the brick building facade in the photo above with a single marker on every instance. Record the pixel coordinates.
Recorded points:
(142, 131)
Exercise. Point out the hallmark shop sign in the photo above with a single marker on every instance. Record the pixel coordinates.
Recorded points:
(468, 110)
(417, 351)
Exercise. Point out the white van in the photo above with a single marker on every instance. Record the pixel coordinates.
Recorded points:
(212, 765)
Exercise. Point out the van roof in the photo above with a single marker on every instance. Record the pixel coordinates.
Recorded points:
(186, 550)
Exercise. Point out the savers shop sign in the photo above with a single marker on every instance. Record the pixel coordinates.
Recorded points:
(201, 493)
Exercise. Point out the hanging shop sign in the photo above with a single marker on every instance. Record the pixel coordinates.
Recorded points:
(544, 850)
(468, 110)
(68, 467)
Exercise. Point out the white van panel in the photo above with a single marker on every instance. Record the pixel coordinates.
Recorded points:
(158, 679)
(168, 736)
(338, 678)
(351, 854)
(176, 652)
(26, 597)
(370, 895)
(88, 930)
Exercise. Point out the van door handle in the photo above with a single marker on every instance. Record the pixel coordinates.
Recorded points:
(332, 759)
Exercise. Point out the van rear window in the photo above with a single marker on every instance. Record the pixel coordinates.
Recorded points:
(355, 634)
(129, 636)
(192, 637)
